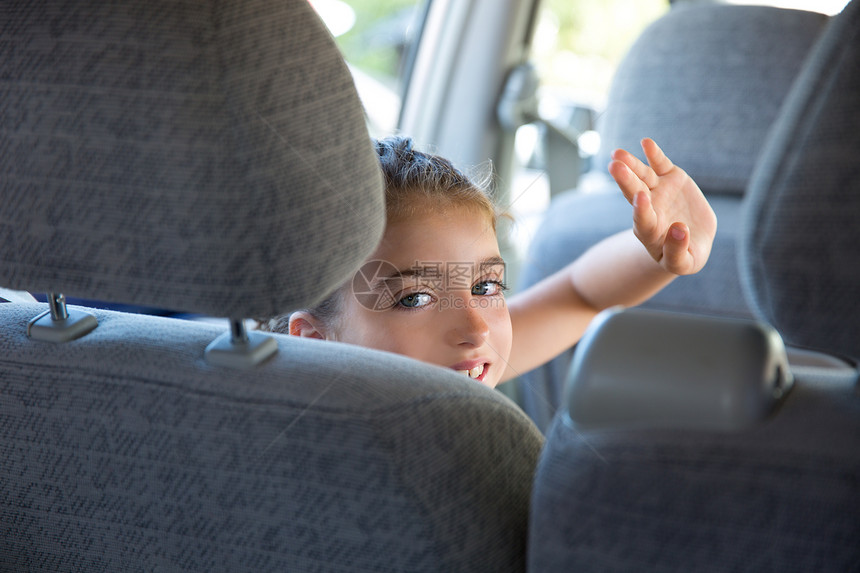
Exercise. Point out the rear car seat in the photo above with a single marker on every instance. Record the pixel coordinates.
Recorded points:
(706, 82)
(780, 493)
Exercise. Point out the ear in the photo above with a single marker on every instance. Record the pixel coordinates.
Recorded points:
(305, 324)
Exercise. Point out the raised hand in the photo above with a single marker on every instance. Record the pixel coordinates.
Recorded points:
(671, 216)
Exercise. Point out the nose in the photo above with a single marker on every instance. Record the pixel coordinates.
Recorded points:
(467, 325)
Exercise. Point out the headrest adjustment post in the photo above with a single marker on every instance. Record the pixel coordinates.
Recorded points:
(238, 332)
(59, 323)
(240, 348)
(57, 304)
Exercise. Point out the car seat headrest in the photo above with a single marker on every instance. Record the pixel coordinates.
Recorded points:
(207, 157)
(675, 371)
(702, 73)
(800, 244)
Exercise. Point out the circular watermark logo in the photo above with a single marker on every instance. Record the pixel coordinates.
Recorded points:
(371, 284)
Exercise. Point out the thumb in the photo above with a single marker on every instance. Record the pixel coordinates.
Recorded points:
(676, 255)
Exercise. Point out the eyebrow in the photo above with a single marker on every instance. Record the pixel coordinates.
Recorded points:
(419, 271)
(491, 261)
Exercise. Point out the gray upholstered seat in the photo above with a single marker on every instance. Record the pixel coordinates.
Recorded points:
(706, 82)
(212, 157)
(783, 494)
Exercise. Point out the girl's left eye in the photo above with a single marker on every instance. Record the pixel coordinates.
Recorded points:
(488, 288)
(415, 300)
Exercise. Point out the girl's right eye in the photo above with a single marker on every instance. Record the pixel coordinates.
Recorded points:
(415, 300)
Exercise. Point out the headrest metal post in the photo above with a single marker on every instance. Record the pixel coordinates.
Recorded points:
(57, 304)
(240, 348)
(238, 332)
(59, 324)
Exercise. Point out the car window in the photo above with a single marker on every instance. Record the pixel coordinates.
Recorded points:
(377, 39)
(829, 7)
(576, 47)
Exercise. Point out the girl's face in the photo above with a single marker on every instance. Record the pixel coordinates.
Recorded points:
(433, 291)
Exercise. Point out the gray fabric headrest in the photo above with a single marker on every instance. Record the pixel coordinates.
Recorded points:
(800, 246)
(203, 156)
(695, 81)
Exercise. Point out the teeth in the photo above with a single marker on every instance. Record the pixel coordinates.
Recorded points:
(474, 372)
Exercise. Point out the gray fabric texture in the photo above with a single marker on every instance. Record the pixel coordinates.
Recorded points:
(183, 155)
(706, 82)
(125, 451)
(784, 496)
(800, 250)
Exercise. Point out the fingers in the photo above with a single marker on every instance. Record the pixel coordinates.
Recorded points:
(640, 170)
(671, 250)
(627, 181)
(656, 158)
(676, 250)
(645, 221)
(658, 163)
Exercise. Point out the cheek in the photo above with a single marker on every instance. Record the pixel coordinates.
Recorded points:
(381, 330)
(501, 332)
(417, 335)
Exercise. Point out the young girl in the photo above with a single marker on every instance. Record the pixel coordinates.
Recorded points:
(434, 288)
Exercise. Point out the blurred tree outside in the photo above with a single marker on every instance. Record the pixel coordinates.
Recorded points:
(380, 36)
(579, 43)
(577, 46)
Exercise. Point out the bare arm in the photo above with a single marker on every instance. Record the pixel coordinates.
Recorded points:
(673, 230)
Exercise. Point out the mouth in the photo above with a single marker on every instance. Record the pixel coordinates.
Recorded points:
(477, 372)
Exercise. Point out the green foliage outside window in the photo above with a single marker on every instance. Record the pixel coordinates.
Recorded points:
(578, 43)
(376, 42)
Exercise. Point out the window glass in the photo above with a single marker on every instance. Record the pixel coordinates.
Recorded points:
(376, 38)
(829, 7)
(577, 46)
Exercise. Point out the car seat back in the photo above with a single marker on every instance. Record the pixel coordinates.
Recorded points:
(799, 253)
(778, 492)
(212, 158)
(706, 82)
